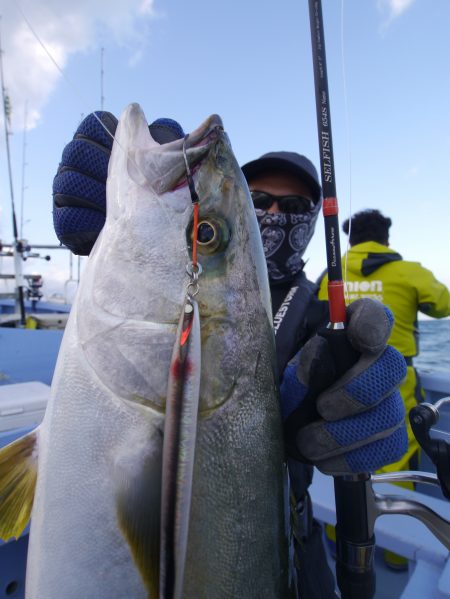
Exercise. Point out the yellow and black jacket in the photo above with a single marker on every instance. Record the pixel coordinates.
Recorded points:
(376, 271)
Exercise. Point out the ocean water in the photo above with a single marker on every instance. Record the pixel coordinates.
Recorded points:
(434, 345)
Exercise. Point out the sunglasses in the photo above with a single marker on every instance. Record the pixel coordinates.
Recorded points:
(292, 204)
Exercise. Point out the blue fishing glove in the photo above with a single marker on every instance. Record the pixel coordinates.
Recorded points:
(360, 425)
(79, 187)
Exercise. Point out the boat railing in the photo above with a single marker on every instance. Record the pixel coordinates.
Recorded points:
(32, 284)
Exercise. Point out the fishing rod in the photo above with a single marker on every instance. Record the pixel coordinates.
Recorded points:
(20, 282)
(24, 164)
(355, 540)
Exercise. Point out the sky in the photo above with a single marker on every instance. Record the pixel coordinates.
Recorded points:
(250, 62)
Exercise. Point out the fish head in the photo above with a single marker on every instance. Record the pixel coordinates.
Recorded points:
(137, 273)
(141, 255)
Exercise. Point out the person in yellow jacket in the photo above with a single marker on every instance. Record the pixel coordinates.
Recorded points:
(377, 271)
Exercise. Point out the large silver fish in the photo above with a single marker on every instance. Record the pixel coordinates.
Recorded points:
(96, 517)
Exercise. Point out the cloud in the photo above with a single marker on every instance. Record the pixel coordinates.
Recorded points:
(65, 27)
(392, 9)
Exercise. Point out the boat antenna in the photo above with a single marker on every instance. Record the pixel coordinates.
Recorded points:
(20, 281)
(355, 538)
(24, 163)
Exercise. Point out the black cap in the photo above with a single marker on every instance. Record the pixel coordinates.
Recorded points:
(286, 161)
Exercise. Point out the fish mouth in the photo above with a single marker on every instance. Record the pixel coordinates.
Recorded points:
(163, 167)
(203, 137)
(208, 130)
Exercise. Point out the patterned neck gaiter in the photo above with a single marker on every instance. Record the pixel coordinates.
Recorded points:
(285, 238)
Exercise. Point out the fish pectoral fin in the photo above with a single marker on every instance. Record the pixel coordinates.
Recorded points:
(138, 502)
(18, 474)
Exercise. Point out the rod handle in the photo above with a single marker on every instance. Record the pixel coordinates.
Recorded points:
(355, 541)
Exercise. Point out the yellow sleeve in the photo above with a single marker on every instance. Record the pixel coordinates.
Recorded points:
(433, 297)
(322, 294)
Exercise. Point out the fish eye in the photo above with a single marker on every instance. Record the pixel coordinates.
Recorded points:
(206, 233)
(213, 235)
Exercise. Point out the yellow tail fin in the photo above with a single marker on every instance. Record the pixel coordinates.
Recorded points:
(18, 473)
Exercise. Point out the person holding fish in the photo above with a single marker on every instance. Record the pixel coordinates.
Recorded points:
(359, 425)
(115, 362)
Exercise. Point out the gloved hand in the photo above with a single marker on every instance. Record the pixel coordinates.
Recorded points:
(79, 187)
(360, 425)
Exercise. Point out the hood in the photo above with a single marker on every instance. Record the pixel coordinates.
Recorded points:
(365, 258)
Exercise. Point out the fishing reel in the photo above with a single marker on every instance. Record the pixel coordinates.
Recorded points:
(34, 290)
(357, 557)
(422, 417)
(25, 251)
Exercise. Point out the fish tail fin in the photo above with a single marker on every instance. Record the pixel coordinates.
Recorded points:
(18, 474)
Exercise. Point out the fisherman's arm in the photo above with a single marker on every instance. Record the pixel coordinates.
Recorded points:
(316, 317)
(433, 296)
